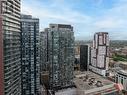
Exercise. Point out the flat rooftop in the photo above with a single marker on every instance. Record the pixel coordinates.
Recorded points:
(123, 72)
(89, 82)
(68, 91)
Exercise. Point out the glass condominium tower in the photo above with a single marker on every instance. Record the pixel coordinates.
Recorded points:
(60, 55)
(10, 61)
(30, 55)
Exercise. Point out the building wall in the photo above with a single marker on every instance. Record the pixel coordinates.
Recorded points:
(121, 78)
(30, 55)
(10, 41)
(44, 50)
(61, 55)
(84, 57)
(1, 54)
(100, 52)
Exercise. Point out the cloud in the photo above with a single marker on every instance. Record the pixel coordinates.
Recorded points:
(109, 23)
(111, 20)
(59, 11)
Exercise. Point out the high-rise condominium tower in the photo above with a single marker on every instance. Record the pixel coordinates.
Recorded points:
(44, 66)
(10, 62)
(60, 55)
(30, 55)
(84, 57)
(100, 53)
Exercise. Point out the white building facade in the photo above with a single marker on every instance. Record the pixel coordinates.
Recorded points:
(121, 78)
(100, 53)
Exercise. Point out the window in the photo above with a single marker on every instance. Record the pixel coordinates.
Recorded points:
(116, 79)
(122, 81)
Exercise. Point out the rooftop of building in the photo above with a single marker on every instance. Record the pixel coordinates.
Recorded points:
(101, 32)
(24, 16)
(53, 25)
(90, 82)
(123, 72)
(68, 91)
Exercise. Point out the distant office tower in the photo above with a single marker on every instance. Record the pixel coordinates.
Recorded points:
(100, 53)
(30, 55)
(84, 57)
(60, 55)
(10, 62)
(44, 50)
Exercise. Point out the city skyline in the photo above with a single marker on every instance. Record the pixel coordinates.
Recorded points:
(39, 54)
(87, 17)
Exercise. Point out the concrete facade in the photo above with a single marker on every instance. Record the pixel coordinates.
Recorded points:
(10, 62)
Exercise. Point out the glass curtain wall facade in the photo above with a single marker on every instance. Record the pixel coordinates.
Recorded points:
(44, 66)
(30, 55)
(61, 55)
(84, 57)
